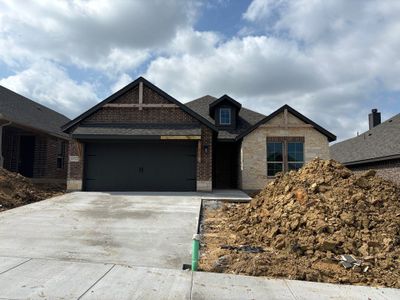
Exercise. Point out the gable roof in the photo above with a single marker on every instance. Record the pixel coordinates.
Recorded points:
(246, 117)
(224, 98)
(27, 113)
(130, 86)
(379, 143)
(331, 137)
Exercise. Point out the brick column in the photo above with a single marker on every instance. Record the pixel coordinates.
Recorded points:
(204, 161)
(75, 166)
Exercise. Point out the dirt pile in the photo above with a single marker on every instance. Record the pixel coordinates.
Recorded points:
(17, 190)
(300, 225)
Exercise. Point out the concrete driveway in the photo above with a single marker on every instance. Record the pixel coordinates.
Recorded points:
(145, 229)
(129, 246)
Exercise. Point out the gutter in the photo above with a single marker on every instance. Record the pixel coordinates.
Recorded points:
(371, 160)
(30, 128)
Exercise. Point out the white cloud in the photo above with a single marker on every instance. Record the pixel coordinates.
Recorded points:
(193, 42)
(328, 59)
(262, 9)
(251, 66)
(122, 81)
(51, 86)
(90, 33)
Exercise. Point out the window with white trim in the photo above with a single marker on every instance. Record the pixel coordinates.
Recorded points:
(225, 116)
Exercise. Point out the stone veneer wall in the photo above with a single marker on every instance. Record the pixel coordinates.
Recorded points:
(253, 154)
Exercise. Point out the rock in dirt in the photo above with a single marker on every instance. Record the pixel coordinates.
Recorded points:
(17, 190)
(304, 221)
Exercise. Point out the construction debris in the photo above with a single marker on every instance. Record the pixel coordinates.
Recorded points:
(17, 190)
(349, 261)
(321, 223)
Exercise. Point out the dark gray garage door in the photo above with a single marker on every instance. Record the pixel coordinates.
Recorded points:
(140, 166)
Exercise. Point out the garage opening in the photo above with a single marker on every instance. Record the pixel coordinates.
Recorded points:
(140, 166)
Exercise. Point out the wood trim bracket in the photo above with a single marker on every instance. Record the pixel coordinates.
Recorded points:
(140, 95)
(129, 105)
(180, 137)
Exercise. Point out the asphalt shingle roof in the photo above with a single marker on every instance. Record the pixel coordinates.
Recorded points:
(247, 117)
(379, 142)
(126, 131)
(25, 112)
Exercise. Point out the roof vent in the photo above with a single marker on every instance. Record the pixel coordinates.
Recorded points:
(374, 118)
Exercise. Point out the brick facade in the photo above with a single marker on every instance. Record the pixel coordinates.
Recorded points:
(132, 115)
(75, 166)
(128, 115)
(146, 115)
(46, 154)
(389, 169)
(253, 153)
(204, 160)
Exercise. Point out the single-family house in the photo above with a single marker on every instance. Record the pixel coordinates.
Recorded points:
(377, 149)
(142, 139)
(31, 140)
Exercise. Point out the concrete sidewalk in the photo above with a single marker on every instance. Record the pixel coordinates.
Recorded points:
(24, 278)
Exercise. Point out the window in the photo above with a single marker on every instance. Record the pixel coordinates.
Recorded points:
(225, 116)
(274, 158)
(284, 154)
(60, 154)
(295, 155)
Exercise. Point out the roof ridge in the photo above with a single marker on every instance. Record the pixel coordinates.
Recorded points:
(253, 111)
(194, 100)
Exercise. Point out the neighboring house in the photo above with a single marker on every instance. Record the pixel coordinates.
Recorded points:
(378, 148)
(141, 138)
(31, 140)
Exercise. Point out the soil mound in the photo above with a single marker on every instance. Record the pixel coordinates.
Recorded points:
(303, 222)
(17, 190)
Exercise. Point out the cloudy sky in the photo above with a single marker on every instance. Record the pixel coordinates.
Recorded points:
(332, 60)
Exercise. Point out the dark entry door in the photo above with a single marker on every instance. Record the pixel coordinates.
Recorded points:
(226, 159)
(26, 155)
(140, 166)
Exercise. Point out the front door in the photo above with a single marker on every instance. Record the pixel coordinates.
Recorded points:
(226, 161)
(26, 155)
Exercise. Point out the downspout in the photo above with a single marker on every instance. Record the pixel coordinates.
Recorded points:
(1, 140)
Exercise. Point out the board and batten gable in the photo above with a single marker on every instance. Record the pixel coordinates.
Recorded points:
(253, 153)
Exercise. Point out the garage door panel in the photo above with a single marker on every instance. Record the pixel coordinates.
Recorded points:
(140, 166)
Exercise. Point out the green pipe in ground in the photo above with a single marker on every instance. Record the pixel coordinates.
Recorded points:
(195, 251)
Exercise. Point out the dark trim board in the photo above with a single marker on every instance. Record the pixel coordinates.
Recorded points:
(88, 137)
